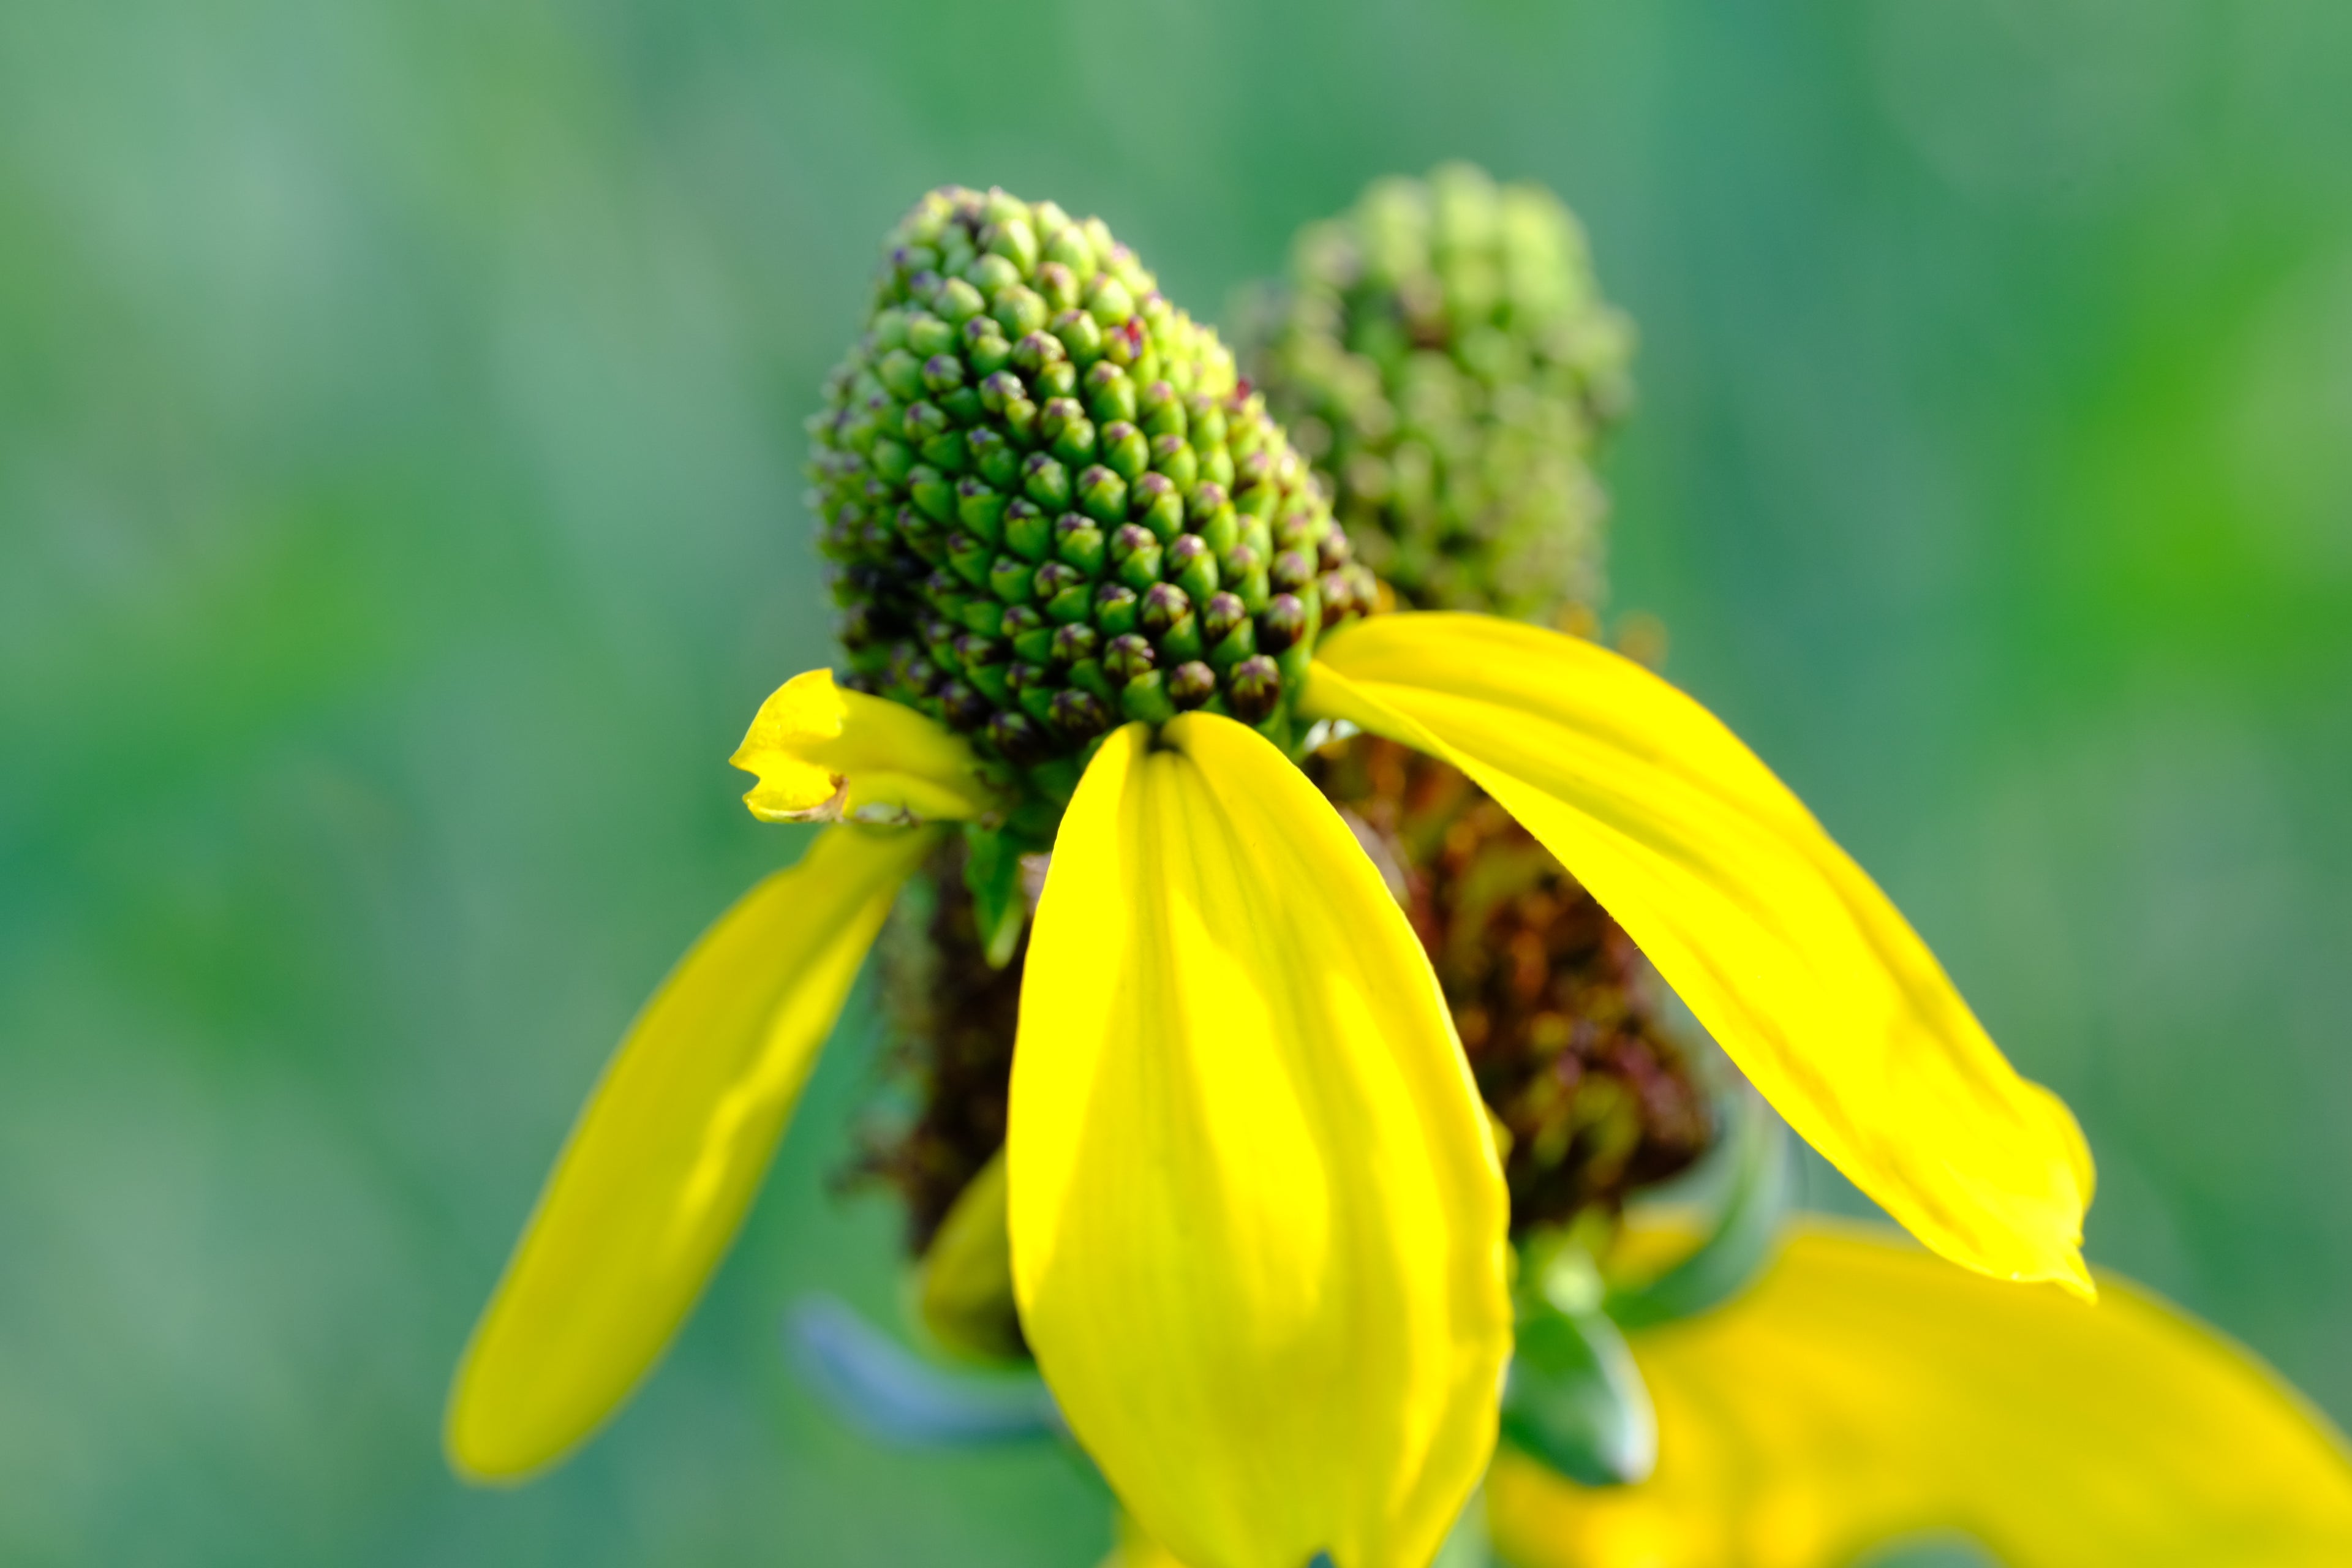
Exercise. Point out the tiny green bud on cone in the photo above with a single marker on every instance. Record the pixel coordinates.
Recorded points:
(1049, 502)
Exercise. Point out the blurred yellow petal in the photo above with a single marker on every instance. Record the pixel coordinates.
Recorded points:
(1862, 1392)
(1257, 1220)
(823, 753)
(1137, 1550)
(1791, 956)
(667, 1155)
(964, 1288)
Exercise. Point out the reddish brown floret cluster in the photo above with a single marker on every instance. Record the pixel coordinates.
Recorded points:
(1554, 1005)
(1553, 1002)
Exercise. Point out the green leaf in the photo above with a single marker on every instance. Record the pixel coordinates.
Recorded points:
(1575, 1399)
(1742, 1241)
(992, 869)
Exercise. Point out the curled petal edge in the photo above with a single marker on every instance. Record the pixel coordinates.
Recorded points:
(826, 753)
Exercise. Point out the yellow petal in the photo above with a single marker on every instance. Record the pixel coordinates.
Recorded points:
(1790, 955)
(1257, 1220)
(1136, 1550)
(1862, 1392)
(964, 1288)
(664, 1158)
(823, 753)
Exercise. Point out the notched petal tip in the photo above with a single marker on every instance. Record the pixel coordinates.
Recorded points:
(786, 793)
(805, 714)
(823, 753)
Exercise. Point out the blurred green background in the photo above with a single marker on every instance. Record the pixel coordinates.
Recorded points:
(400, 519)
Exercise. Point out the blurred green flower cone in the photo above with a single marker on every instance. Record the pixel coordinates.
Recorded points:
(1442, 352)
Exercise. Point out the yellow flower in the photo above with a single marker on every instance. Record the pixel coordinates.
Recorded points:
(1862, 1392)
(1256, 1219)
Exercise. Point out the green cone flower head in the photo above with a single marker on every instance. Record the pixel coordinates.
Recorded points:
(1444, 356)
(1052, 506)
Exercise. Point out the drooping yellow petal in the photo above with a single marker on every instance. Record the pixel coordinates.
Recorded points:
(1257, 1220)
(667, 1155)
(823, 753)
(1862, 1392)
(1791, 956)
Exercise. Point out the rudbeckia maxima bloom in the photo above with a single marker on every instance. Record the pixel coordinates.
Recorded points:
(1258, 1225)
